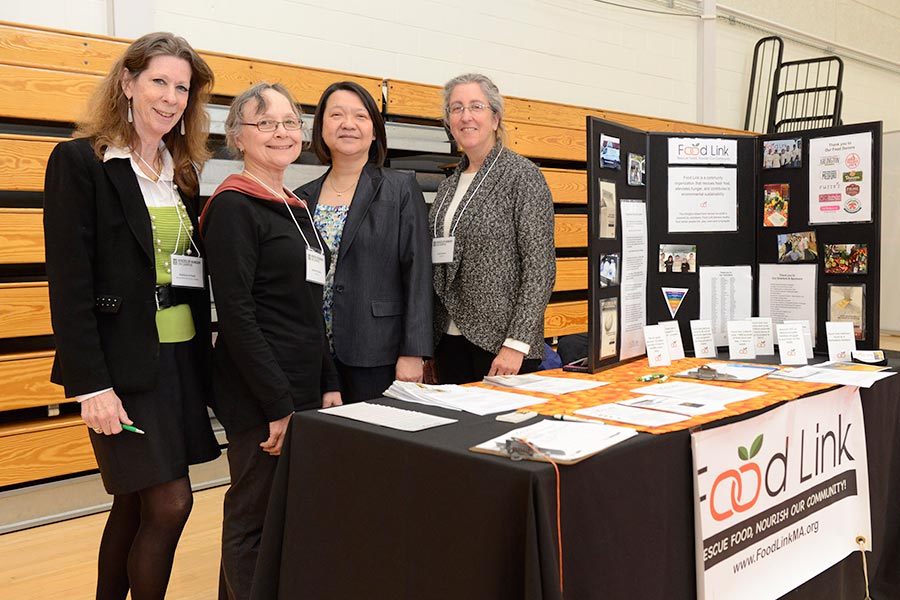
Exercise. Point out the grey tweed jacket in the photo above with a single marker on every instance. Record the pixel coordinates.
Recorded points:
(504, 262)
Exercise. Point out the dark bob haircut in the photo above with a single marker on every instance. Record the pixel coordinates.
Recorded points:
(378, 149)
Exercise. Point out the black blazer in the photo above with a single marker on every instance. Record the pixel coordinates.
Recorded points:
(382, 282)
(102, 275)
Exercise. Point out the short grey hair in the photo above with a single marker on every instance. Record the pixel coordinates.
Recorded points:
(488, 88)
(236, 113)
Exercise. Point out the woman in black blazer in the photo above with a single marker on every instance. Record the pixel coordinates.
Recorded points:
(132, 329)
(377, 299)
(267, 265)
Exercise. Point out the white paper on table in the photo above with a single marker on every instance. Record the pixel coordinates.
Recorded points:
(791, 344)
(702, 199)
(633, 297)
(808, 339)
(841, 340)
(541, 383)
(763, 339)
(632, 415)
(740, 340)
(387, 416)
(476, 400)
(839, 377)
(726, 294)
(704, 344)
(564, 440)
(679, 406)
(689, 391)
(657, 346)
(673, 339)
(739, 372)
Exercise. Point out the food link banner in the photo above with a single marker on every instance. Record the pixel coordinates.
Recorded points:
(781, 497)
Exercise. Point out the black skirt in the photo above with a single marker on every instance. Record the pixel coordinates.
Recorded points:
(176, 423)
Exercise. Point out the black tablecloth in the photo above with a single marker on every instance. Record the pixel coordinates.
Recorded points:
(364, 512)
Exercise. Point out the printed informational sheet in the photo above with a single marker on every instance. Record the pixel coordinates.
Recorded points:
(840, 179)
(787, 292)
(702, 199)
(634, 278)
(726, 294)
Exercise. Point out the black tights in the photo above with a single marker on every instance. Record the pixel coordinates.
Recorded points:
(138, 544)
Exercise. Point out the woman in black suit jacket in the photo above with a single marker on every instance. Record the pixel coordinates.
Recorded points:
(377, 299)
(131, 347)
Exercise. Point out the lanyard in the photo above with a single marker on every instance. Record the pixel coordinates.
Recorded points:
(466, 205)
(290, 212)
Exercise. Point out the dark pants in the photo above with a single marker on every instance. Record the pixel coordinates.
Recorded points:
(359, 384)
(457, 360)
(244, 510)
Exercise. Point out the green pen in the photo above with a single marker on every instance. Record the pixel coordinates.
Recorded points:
(132, 429)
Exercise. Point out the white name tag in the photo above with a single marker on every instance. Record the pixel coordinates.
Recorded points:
(442, 250)
(187, 271)
(315, 266)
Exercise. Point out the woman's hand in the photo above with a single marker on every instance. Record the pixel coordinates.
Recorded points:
(409, 368)
(507, 362)
(104, 413)
(330, 399)
(277, 428)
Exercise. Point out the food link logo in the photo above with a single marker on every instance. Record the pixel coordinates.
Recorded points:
(737, 490)
(697, 149)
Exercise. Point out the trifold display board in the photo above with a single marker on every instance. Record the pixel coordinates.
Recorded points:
(783, 226)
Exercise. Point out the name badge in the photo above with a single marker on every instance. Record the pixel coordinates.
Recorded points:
(315, 266)
(187, 271)
(442, 250)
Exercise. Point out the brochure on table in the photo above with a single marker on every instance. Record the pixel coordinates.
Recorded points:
(729, 227)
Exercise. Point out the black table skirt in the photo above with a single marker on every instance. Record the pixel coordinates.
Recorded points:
(364, 512)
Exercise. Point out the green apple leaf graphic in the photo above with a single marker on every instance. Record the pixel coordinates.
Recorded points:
(757, 444)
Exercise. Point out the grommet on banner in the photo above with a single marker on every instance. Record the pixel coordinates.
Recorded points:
(861, 542)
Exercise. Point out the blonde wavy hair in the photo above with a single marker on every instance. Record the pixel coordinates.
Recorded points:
(106, 123)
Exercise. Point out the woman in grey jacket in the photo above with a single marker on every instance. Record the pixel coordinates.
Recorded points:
(492, 248)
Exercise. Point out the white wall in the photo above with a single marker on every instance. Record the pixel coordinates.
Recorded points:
(890, 241)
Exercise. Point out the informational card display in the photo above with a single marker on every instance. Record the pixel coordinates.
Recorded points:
(673, 339)
(726, 294)
(787, 292)
(702, 151)
(781, 497)
(763, 339)
(704, 343)
(809, 337)
(841, 340)
(657, 346)
(740, 340)
(634, 278)
(702, 199)
(840, 179)
(791, 344)
(606, 228)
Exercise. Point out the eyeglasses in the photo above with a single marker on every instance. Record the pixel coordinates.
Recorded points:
(476, 108)
(268, 125)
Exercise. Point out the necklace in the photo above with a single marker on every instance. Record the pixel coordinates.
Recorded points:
(340, 193)
(156, 174)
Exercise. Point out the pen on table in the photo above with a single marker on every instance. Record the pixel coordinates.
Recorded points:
(578, 419)
(132, 429)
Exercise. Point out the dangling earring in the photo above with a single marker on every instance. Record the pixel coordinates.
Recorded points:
(129, 117)
(182, 125)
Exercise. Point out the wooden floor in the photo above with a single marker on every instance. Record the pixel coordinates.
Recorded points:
(58, 562)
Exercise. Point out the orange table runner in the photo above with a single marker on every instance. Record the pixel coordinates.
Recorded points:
(623, 378)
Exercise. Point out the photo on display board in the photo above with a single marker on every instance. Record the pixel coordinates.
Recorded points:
(609, 152)
(609, 270)
(846, 259)
(848, 303)
(609, 319)
(782, 153)
(775, 204)
(797, 247)
(635, 169)
(677, 258)
(606, 228)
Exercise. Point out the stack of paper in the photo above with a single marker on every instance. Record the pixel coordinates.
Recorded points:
(387, 416)
(837, 373)
(475, 400)
(547, 385)
(563, 440)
